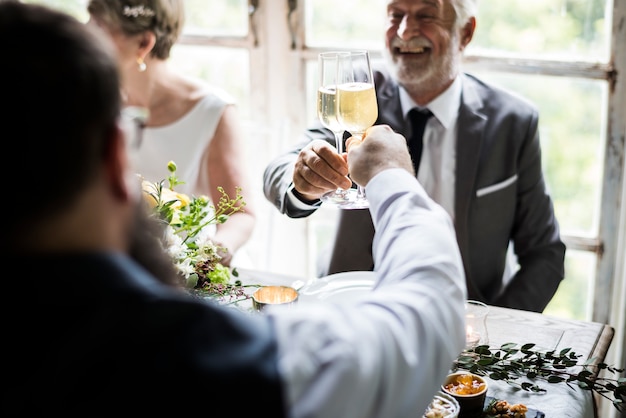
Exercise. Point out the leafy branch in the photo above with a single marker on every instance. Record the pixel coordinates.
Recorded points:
(194, 253)
(188, 216)
(225, 293)
(510, 363)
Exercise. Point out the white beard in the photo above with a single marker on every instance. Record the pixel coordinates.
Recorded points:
(434, 76)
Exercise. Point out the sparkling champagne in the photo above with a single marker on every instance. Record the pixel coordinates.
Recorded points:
(327, 108)
(357, 108)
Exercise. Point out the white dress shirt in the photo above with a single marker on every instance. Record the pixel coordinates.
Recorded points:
(384, 353)
(437, 174)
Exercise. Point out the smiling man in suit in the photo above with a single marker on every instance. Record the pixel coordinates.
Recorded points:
(480, 160)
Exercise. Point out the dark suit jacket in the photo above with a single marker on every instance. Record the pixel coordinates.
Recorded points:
(500, 197)
(90, 335)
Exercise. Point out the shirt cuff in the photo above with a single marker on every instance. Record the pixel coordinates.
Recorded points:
(299, 202)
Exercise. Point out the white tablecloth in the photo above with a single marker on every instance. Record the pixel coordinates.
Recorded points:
(559, 400)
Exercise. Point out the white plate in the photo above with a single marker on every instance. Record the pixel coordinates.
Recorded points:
(338, 287)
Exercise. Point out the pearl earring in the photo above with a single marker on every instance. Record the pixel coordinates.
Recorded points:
(142, 65)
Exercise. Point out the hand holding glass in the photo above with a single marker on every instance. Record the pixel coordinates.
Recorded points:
(346, 101)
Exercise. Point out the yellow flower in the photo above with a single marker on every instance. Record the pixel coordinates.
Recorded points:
(186, 238)
(183, 199)
(151, 196)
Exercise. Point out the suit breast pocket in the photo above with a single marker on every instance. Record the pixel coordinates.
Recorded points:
(493, 212)
(496, 187)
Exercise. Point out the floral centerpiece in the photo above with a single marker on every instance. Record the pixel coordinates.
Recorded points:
(187, 237)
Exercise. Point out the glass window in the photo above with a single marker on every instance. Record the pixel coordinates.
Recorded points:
(345, 23)
(228, 68)
(572, 124)
(217, 18)
(553, 29)
(574, 297)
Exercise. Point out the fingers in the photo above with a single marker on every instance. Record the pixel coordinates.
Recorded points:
(353, 141)
(319, 169)
(380, 149)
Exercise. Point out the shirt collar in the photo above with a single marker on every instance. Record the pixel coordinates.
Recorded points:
(444, 107)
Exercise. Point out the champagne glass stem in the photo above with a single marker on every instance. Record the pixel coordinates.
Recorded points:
(339, 195)
(339, 141)
(360, 191)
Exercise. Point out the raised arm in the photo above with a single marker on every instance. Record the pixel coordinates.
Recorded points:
(386, 353)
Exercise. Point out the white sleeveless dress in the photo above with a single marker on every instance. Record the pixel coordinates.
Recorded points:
(185, 141)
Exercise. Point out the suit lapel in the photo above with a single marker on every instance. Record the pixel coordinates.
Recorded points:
(471, 123)
(390, 109)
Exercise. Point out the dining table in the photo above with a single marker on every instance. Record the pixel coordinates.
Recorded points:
(590, 340)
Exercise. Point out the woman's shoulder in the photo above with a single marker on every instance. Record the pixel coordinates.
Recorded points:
(202, 91)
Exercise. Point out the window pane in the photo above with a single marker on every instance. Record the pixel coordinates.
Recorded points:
(311, 90)
(575, 293)
(218, 18)
(553, 29)
(572, 128)
(223, 67)
(345, 23)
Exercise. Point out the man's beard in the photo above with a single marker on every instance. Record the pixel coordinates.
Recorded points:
(146, 246)
(434, 76)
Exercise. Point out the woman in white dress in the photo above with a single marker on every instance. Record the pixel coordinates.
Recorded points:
(191, 123)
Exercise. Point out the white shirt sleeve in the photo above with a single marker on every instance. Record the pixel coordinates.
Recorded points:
(299, 204)
(385, 353)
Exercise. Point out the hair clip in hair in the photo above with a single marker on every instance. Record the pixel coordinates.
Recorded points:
(137, 11)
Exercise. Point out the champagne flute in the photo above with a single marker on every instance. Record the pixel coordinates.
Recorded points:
(357, 108)
(327, 112)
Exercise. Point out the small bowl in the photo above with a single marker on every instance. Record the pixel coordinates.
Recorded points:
(273, 295)
(469, 390)
(442, 405)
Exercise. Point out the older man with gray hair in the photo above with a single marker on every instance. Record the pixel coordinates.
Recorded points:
(476, 151)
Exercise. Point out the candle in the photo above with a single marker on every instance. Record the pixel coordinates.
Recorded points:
(475, 324)
(472, 338)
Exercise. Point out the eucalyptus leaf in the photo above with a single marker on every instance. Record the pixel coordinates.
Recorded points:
(511, 363)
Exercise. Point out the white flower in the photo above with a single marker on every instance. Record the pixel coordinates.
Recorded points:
(190, 222)
(185, 267)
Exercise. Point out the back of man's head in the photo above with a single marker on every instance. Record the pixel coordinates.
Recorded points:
(61, 102)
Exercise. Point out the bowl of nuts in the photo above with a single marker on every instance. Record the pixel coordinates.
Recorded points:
(442, 406)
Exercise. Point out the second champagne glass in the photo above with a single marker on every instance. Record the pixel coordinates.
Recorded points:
(327, 113)
(357, 108)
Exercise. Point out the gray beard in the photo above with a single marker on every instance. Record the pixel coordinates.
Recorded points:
(420, 81)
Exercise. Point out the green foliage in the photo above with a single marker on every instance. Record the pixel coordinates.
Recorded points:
(226, 293)
(512, 363)
(187, 241)
(575, 28)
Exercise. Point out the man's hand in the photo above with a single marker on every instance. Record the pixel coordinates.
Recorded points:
(319, 169)
(380, 149)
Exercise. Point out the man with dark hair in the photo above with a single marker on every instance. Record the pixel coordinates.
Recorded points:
(90, 332)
